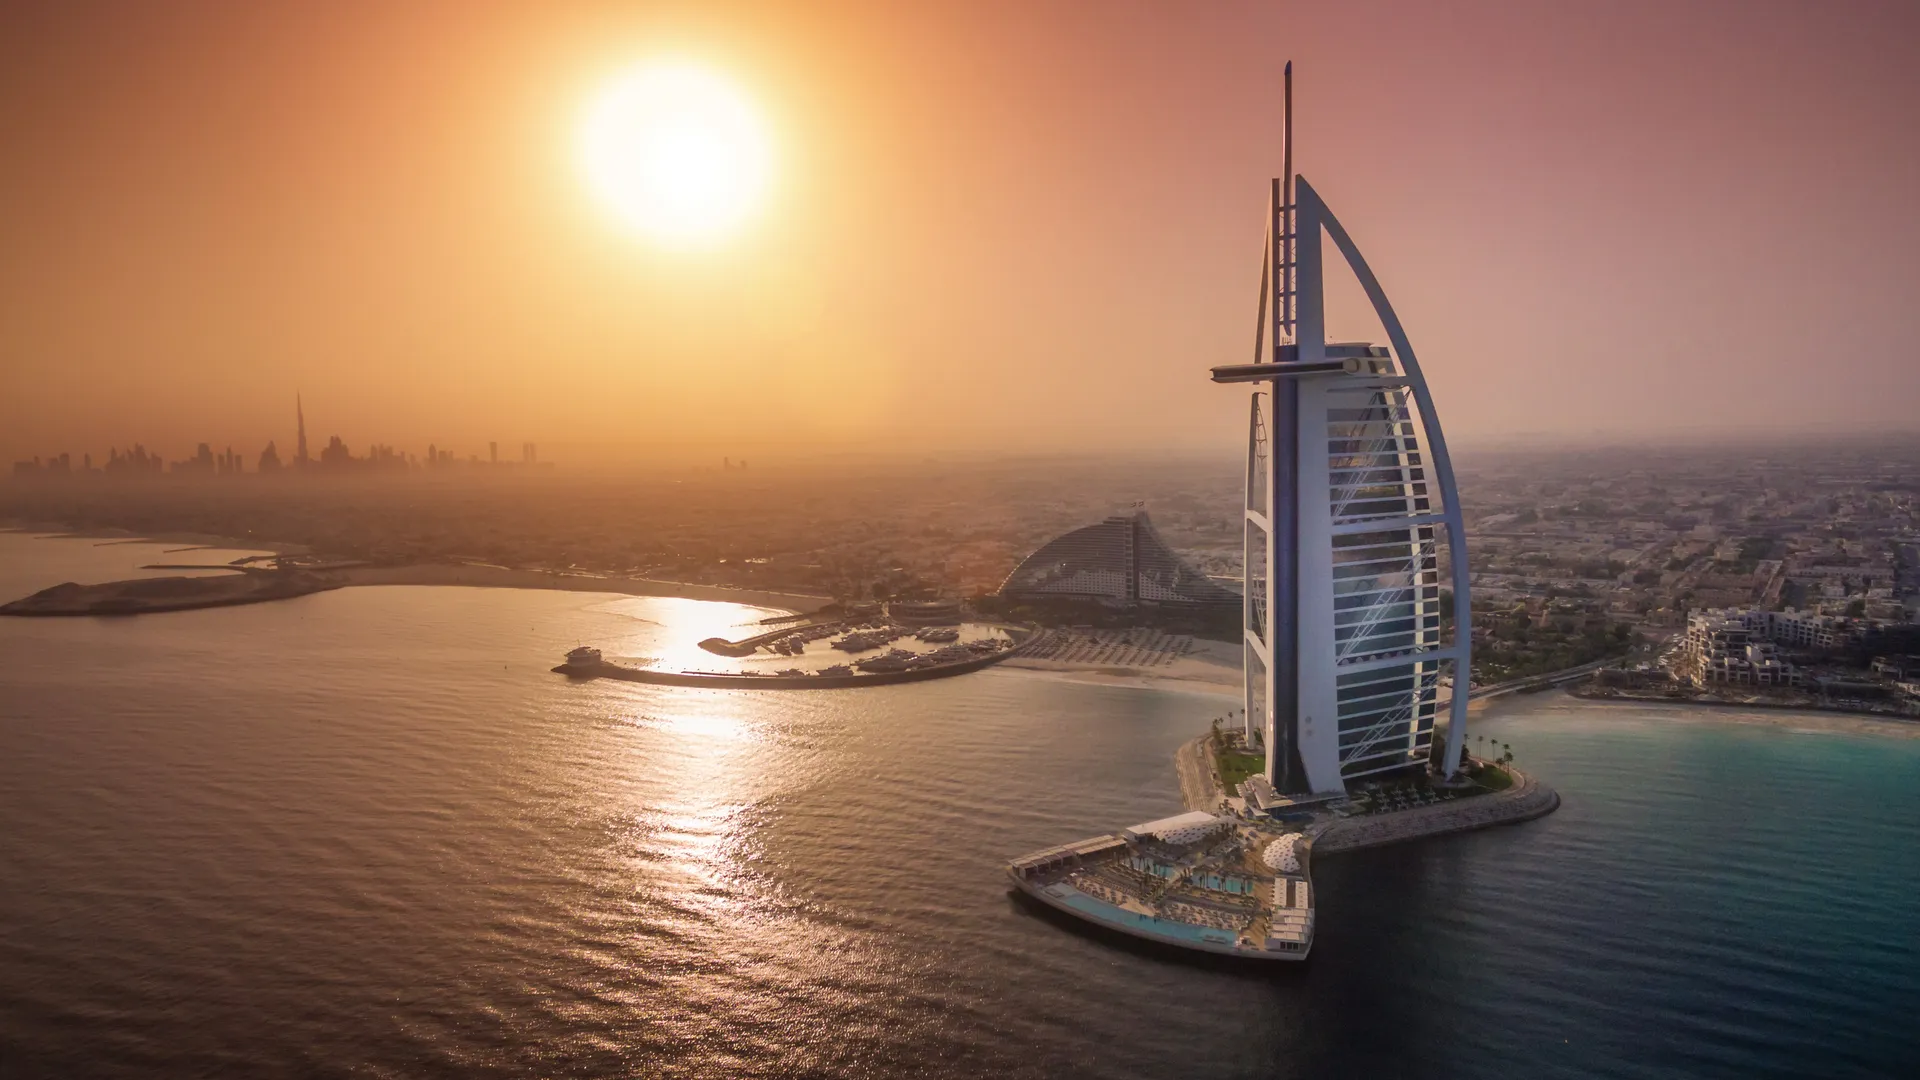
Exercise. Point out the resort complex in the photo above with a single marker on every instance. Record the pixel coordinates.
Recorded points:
(1350, 654)
(1215, 883)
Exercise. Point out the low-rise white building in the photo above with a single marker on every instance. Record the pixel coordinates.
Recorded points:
(1179, 829)
(1725, 647)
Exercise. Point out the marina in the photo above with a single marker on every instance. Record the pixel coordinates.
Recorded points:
(896, 666)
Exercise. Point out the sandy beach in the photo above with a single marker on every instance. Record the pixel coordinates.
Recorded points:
(1706, 713)
(1210, 667)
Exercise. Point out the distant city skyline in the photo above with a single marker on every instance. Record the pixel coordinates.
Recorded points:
(140, 460)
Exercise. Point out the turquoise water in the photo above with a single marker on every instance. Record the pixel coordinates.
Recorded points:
(368, 832)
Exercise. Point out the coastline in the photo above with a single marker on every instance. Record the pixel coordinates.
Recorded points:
(477, 575)
(1200, 674)
(474, 575)
(54, 530)
(1718, 712)
(1722, 703)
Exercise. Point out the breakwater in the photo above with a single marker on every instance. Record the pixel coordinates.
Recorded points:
(780, 682)
(1525, 800)
(720, 646)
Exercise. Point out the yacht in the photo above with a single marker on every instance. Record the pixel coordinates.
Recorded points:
(584, 656)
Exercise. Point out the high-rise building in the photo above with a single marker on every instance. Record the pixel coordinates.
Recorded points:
(300, 458)
(1352, 647)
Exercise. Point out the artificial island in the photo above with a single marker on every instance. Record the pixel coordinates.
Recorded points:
(1354, 642)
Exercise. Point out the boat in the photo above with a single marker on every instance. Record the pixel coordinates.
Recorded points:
(584, 656)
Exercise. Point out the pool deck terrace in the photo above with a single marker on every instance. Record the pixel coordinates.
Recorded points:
(1269, 919)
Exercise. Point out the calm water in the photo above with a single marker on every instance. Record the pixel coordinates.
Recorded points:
(366, 832)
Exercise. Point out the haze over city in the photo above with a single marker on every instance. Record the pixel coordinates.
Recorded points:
(1003, 225)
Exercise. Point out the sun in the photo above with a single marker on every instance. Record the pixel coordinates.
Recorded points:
(677, 152)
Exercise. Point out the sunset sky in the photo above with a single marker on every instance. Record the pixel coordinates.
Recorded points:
(1019, 226)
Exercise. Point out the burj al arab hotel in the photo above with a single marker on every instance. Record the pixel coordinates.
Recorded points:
(1354, 644)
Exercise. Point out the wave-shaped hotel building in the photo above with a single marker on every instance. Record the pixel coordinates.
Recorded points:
(1351, 654)
(1123, 560)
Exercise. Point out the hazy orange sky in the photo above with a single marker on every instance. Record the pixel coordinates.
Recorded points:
(1024, 225)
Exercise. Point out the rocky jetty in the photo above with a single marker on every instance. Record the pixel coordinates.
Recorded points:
(1525, 800)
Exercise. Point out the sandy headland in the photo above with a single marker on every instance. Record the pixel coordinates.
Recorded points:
(144, 596)
(251, 585)
(257, 583)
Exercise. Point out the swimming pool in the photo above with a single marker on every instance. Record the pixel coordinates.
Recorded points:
(1133, 920)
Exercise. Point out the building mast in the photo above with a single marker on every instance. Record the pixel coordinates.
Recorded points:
(300, 447)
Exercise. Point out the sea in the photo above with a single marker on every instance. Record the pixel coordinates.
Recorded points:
(369, 833)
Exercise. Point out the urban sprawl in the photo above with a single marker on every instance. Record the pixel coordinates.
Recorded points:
(1735, 573)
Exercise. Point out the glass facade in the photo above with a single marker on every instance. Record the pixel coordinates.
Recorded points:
(1386, 573)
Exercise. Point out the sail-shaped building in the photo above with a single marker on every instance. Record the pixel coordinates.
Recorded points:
(1354, 643)
(1355, 635)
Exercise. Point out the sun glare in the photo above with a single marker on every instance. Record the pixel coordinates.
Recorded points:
(677, 152)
